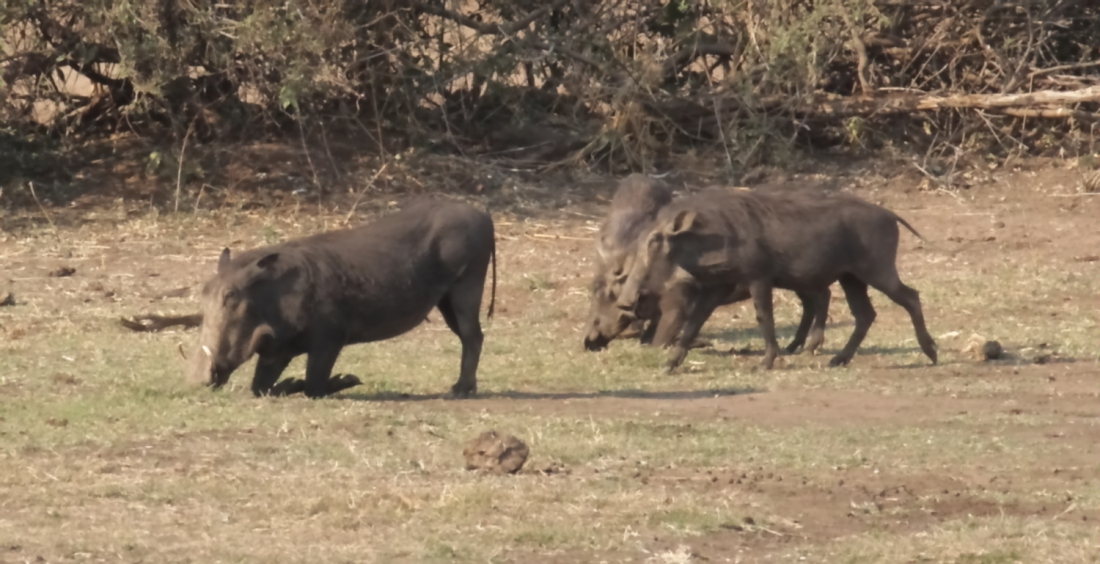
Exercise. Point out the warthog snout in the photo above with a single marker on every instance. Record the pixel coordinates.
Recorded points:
(595, 341)
(607, 324)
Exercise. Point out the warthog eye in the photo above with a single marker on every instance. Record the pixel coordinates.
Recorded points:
(231, 295)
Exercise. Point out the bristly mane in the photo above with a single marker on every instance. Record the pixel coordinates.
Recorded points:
(635, 204)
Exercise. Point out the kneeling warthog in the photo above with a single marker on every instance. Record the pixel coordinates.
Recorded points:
(317, 294)
(634, 210)
(755, 241)
(634, 207)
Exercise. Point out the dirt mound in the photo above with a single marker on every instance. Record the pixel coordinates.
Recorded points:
(495, 453)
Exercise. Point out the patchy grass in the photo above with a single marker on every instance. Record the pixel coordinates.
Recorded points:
(106, 455)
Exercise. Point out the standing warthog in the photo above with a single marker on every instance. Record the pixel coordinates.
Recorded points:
(317, 294)
(757, 241)
(634, 210)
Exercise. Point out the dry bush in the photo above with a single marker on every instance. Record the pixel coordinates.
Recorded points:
(622, 83)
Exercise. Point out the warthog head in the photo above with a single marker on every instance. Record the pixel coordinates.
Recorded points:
(605, 320)
(672, 249)
(240, 310)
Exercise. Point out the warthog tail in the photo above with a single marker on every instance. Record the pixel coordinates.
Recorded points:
(910, 227)
(493, 294)
(493, 242)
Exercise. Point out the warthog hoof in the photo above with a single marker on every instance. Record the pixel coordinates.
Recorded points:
(700, 344)
(462, 391)
(342, 382)
(839, 360)
(594, 345)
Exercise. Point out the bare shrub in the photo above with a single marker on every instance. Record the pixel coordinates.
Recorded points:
(618, 83)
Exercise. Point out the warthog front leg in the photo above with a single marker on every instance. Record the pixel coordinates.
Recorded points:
(319, 362)
(702, 309)
(268, 370)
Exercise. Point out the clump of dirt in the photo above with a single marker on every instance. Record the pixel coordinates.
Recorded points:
(495, 453)
(62, 272)
(992, 350)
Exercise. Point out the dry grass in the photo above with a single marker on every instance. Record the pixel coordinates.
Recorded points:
(106, 456)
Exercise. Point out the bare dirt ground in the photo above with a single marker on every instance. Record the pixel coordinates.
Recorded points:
(106, 456)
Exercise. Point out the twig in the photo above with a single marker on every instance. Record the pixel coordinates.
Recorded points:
(538, 236)
(179, 168)
(202, 190)
(859, 47)
(328, 152)
(41, 207)
(364, 191)
(1038, 72)
(302, 132)
(722, 132)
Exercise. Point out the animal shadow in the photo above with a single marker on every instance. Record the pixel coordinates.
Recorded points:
(558, 396)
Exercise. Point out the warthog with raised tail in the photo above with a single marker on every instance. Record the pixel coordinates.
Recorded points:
(729, 241)
(634, 209)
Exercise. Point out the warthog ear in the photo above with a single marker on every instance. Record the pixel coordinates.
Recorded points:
(268, 260)
(683, 222)
(223, 260)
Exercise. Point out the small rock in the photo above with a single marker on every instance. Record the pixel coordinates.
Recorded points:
(495, 453)
(62, 272)
(9, 300)
(61, 378)
(992, 350)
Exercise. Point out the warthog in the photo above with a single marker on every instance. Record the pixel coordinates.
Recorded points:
(758, 241)
(634, 209)
(317, 294)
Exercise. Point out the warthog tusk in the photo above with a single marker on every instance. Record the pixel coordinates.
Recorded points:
(206, 350)
(180, 348)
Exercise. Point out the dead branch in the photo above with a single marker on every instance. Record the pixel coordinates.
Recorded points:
(1058, 113)
(154, 323)
(492, 29)
(702, 45)
(1038, 72)
(860, 49)
(901, 103)
(510, 29)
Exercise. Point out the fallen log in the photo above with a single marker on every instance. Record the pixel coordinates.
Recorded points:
(153, 323)
(902, 103)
